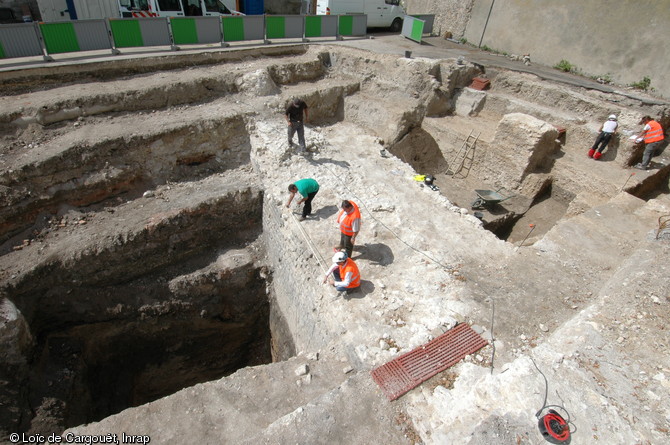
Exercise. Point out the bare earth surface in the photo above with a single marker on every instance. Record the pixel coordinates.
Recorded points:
(111, 179)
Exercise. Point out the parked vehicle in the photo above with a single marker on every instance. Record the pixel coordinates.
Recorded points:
(176, 8)
(7, 16)
(381, 13)
(64, 10)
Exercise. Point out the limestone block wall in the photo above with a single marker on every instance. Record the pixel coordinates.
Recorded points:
(522, 144)
(296, 310)
(450, 15)
(622, 39)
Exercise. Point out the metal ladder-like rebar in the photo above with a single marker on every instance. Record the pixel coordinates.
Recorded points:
(462, 154)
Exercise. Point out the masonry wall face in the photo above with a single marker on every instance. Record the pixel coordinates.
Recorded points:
(623, 39)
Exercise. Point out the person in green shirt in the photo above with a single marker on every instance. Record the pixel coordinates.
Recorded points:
(307, 188)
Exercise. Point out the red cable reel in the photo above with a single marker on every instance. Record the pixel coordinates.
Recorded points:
(554, 428)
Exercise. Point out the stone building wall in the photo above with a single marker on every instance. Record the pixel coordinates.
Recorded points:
(618, 40)
(451, 16)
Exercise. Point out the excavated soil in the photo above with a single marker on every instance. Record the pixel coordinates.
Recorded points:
(148, 260)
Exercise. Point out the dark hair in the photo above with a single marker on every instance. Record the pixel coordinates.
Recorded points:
(292, 187)
(346, 204)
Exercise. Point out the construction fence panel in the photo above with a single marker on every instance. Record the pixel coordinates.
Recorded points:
(353, 25)
(192, 30)
(140, 32)
(284, 27)
(412, 28)
(92, 34)
(429, 20)
(19, 40)
(59, 37)
(321, 25)
(78, 35)
(236, 29)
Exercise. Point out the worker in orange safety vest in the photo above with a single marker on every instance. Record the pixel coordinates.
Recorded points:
(346, 276)
(652, 135)
(349, 221)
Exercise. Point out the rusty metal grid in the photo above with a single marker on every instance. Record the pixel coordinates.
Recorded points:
(411, 369)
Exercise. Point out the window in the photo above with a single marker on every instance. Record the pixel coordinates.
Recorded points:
(392, 2)
(216, 6)
(169, 5)
(142, 5)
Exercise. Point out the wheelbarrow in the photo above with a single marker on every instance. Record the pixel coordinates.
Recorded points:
(487, 198)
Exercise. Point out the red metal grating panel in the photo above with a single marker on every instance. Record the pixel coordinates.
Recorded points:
(411, 369)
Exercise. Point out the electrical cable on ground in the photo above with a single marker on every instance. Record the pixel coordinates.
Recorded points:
(310, 243)
(362, 203)
(493, 340)
(553, 427)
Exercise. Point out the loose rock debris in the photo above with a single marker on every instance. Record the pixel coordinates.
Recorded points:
(155, 185)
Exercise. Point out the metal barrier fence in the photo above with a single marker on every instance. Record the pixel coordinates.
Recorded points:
(43, 39)
(429, 20)
(412, 28)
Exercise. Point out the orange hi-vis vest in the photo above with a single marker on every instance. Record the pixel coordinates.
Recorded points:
(347, 220)
(350, 266)
(654, 134)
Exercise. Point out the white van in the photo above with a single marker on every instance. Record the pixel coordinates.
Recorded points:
(381, 13)
(64, 10)
(175, 8)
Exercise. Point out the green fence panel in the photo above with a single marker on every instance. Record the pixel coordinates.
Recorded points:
(59, 37)
(2, 51)
(126, 33)
(312, 26)
(417, 30)
(233, 29)
(346, 25)
(275, 27)
(184, 31)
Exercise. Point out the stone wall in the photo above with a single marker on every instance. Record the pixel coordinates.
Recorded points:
(450, 15)
(294, 288)
(601, 38)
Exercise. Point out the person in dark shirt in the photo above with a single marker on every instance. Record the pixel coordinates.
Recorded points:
(295, 120)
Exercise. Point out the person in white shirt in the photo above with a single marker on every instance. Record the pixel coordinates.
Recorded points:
(607, 130)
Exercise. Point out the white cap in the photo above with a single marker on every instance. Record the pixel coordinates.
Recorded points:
(339, 257)
(612, 117)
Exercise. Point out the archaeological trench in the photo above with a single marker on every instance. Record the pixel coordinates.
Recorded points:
(148, 260)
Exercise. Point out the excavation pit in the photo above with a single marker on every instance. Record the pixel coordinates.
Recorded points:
(172, 294)
(143, 234)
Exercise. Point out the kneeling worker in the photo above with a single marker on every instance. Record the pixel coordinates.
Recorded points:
(345, 273)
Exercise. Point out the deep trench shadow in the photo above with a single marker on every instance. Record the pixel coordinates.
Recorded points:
(380, 254)
(366, 287)
(419, 149)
